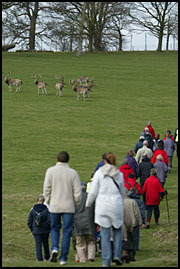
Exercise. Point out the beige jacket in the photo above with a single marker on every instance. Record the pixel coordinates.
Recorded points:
(62, 188)
(143, 151)
(132, 214)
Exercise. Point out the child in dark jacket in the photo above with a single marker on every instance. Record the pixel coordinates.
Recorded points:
(39, 224)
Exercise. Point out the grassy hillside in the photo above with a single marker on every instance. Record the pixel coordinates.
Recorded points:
(131, 88)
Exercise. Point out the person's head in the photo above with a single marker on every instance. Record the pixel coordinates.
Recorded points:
(159, 157)
(160, 144)
(130, 152)
(40, 199)
(83, 185)
(168, 133)
(103, 156)
(63, 157)
(153, 172)
(110, 158)
(146, 130)
(144, 156)
(145, 143)
(157, 136)
(149, 123)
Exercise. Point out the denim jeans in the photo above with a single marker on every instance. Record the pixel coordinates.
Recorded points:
(42, 239)
(106, 246)
(68, 223)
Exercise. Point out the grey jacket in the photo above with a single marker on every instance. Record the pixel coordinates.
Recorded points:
(169, 146)
(84, 217)
(162, 170)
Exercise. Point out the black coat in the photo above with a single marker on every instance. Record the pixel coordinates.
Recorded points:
(144, 170)
(44, 217)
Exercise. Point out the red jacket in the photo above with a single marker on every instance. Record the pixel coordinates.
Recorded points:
(152, 188)
(151, 129)
(132, 182)
(126, 170)
(163, 153)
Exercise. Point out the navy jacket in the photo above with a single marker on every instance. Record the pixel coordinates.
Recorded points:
(44, 227)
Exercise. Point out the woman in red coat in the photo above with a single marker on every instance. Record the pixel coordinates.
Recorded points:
(160, 150)
(153, 193)
(126, 170)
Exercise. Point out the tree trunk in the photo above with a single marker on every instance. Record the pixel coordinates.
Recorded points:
(32, 30)
(81, 31)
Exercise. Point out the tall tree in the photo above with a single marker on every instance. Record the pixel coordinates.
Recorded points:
(153, 16)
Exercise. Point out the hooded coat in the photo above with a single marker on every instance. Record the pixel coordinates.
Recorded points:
(109, 208)
(152, 188)
(44, 227)
(126, 170)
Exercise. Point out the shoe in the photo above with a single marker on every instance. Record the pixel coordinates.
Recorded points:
(54, 255)
(63, 262)
(147, 225)
(117, 261)
(90, 260)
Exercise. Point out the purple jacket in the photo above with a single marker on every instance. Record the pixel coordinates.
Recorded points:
(169, 146)
(133, 164)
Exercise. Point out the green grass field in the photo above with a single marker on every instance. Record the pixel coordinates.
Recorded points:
(131, 88)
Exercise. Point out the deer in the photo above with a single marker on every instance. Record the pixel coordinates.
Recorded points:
(13, 82)
(59, 86)
(85, 79)
(41, 85)
(82, 91)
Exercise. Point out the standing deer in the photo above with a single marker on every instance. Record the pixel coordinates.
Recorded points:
(12, 82)
(41, 85)
(82, 91)
(59, 86)
(85, 79)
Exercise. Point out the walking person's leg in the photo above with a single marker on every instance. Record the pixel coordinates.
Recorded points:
(45, 240)
(81, 248)
(149, 215)
(38, 242)
(156, 214)
(106, 246)
(117, 245)
(68, 223)
(55, 235)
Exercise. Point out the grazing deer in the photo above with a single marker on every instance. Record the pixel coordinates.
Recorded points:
(41, 85)
(12, 82)
(59, 86)
(85, 79)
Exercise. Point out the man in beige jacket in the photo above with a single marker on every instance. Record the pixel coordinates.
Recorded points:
(143, 151)
(62, 192)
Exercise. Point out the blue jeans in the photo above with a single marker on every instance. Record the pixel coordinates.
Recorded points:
(150, 209)
(68, 223)
(42, 239)
(106, 246)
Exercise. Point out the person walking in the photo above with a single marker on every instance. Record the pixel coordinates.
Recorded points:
(153, 192)
(85, 229)
(62, 192)
(125, 169)
(176, 140)
(131, 206)
(107, 190)
(151, 129)
(143, 151)
(39, 224)
(162, 169)
(132, 162)
(169, 148)
(160, 150)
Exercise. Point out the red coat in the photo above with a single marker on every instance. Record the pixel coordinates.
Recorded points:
(126, 170)
(163, 153)
(132, 181)
(152, 188)
(151, 129)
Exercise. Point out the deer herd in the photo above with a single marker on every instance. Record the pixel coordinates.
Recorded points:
(82, 85)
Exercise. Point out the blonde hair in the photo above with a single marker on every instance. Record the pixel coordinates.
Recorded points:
(41, 198)
(110, 158)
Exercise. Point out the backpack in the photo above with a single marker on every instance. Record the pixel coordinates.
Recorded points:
(130, 184)
(38, 219)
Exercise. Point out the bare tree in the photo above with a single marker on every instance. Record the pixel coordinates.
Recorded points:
(153, 17)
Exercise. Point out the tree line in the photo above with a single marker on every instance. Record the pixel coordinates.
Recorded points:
(90, 26)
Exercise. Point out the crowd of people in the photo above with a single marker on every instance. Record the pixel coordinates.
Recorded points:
(107, 212)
